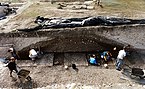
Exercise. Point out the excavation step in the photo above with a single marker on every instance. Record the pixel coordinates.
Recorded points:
(62, 59)
(46, 60)
(75, 58)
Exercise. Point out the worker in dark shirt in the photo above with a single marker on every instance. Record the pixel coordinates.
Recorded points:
(12, 65)
(13, 53)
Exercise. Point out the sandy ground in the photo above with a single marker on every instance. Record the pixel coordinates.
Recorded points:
(57, 77)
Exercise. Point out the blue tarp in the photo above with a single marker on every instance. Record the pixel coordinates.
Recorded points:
(3, 60)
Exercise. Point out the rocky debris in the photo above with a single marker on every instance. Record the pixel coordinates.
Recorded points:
(19, 10)
(91, 77)
(5, 10)
(90, 5)
(77, 5)
(70, 86)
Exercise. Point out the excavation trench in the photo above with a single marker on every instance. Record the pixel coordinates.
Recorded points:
(72, 45)
(70, 49)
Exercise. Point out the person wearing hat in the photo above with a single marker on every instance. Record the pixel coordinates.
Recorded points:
(120, 59)
(13, 53)
(12, 65)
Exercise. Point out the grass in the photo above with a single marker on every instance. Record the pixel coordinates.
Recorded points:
(123, 5)
(124, 8)
(37, 9)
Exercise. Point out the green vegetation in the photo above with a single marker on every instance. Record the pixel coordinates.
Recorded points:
(123, 8)
(37, 9)
(125, 4)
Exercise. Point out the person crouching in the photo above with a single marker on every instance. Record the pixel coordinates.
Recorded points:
(93, 60)
(33, 54)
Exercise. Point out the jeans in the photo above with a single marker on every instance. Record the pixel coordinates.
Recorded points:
(119, 64)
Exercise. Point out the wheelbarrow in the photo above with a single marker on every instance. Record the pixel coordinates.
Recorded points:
(23, 74)
(134, 72)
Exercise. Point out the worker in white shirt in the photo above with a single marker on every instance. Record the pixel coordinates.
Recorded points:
(120, 59)
(33, 54)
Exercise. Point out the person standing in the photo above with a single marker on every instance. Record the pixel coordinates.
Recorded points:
(12, 65)
(120, 59)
